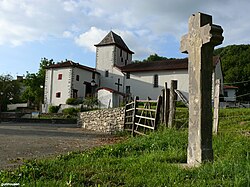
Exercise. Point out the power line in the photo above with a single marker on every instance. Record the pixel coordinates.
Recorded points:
(243, 95)
(236, 82)
(237, 96)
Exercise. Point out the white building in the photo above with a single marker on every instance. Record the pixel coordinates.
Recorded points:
(229, 99)
(113, 62)
(68, 80)
(111, 54)
(230, 93)
(117, 76)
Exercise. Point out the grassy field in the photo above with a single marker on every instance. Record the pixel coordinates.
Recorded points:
(154, 160)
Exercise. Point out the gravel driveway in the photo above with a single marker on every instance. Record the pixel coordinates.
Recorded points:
(20, 141)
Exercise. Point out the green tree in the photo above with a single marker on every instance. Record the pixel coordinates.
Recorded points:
(154, 57)
(91, 102)
(9, 91)
(34, 83)
(235, 61)
(42, 69)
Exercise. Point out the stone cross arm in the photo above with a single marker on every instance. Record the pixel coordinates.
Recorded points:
(216, 33)
(201, 31)
(199, 43)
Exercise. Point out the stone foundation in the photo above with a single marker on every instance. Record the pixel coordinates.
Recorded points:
(105, 120)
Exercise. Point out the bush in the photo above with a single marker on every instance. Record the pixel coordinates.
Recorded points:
(91, 102)
(70, 111)
(73, 101)
(53, 109)
(180, 104)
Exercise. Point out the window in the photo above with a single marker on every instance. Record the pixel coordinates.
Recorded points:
(77, 77)
(121, 53)
(60, 76)
(106, 73)
(127, 89)
(93, 75)
(156, 81)
(225, 94)
(75, 95)
(127, 75)
(121, 59)
(126, 62)
(58, 94)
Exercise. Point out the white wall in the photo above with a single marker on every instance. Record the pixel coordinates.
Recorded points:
(47, 87)
(231, 95)
(217, 74)
(109, 99)
(84, 76)
(105, 59)
(53, 85)
(66, 85)
(125, 56)
(106, 99)
(15, 106)
(141, 83)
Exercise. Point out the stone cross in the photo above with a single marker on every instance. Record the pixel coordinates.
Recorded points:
(118, 85)
(199, 43)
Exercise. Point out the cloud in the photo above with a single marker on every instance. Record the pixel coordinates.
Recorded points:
(134, 40)
(70, 5)
(67, 34)
(90, 38)
(25, 21)
(143, 25)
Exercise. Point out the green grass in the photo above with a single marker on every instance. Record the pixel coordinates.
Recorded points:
(153, 160)
(236, 120)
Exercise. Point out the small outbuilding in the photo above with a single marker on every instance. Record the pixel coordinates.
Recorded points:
(109, 98)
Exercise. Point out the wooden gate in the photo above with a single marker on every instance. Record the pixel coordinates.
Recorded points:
(142, 115)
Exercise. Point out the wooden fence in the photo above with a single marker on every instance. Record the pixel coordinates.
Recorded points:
(142, 115)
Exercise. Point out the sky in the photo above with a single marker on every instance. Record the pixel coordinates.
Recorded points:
(68, 29)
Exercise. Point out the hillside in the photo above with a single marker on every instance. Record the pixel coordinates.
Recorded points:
(235, 61)
(154, 160)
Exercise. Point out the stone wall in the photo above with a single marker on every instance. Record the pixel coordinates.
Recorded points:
(105, 120)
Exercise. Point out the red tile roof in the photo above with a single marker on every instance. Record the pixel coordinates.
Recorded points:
(111, 90)
(230, 87)
(72, 64)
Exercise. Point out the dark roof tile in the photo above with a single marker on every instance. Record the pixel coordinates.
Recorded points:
(72, 64)
(168, 64)
(156, 65)
(113, 39)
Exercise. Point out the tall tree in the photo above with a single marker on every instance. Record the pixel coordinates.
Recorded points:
(34, 83)
(154, 57)
(235, 61)
(42, 69)
(9, 91)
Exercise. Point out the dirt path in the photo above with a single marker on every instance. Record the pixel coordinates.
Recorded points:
(20, 141)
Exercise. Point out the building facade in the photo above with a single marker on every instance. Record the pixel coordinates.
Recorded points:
(115, 76)
(68, 80)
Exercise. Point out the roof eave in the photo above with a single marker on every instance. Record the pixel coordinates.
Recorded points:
(147, 70)
(127, 50)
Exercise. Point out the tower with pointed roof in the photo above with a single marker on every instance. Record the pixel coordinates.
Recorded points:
(111, 54)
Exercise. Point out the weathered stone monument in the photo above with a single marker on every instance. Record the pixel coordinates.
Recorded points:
(199, 43)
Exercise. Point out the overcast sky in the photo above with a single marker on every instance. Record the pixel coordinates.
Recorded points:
(68, 29)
